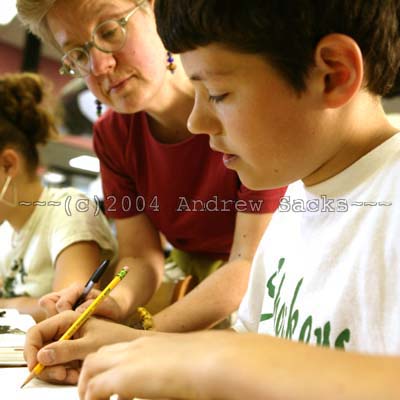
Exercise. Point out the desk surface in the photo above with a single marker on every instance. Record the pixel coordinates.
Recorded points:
(11, 379)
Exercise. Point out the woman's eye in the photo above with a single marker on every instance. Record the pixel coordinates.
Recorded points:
(217, 99)
(109, 34)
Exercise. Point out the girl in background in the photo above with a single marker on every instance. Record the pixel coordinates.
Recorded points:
(47, 241)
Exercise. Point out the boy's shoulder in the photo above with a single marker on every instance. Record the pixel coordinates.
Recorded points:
(377, 169)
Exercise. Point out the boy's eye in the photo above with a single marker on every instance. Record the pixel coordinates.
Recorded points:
(217, 99)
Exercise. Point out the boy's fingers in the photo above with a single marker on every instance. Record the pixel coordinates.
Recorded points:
(46, 331)
(60, 374)
(64, 352)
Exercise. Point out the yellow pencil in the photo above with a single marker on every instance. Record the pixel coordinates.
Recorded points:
(81, 319)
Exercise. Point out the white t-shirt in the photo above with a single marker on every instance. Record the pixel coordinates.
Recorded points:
(327, 270)
(61, 217)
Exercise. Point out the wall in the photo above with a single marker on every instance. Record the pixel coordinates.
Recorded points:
(11, 61)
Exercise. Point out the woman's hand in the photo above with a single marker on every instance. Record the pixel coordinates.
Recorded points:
(63, 300)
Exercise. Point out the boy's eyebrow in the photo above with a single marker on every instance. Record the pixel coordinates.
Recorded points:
(210, 74)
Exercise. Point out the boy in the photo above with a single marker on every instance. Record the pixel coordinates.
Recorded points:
(290, 92)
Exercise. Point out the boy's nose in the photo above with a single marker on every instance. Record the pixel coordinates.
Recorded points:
(202, 120)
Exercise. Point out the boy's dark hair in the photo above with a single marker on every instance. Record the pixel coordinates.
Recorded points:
(287, 31)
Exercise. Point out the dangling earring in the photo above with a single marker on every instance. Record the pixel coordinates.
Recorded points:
(171, 65)
(99, 108)
(4, 190)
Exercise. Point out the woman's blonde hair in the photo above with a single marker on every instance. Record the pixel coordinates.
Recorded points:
(32, 14)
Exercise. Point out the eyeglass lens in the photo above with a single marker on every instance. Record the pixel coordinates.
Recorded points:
(109, 36)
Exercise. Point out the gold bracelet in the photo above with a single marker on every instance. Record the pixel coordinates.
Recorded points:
(145, 319)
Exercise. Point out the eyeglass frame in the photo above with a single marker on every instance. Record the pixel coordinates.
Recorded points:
(122, 22)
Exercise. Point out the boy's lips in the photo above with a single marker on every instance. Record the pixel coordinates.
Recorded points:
(227, 158)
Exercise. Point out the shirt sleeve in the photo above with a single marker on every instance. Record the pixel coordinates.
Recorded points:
(80, 220)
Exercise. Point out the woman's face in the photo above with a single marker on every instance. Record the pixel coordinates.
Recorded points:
(129, 79)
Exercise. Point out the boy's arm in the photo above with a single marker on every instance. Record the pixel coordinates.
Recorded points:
(219, 294)
(229, 366)
(261, 367)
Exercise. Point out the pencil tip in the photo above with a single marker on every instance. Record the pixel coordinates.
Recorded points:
(28, 379)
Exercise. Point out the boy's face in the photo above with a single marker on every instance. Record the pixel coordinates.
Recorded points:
(267, 132)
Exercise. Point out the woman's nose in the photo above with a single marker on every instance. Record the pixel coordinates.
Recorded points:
(101, 63)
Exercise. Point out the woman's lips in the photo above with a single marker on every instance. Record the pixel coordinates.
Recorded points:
(119, 85)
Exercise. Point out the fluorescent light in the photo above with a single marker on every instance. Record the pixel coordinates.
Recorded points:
(8, 11)
(87, 163)
(54, 178)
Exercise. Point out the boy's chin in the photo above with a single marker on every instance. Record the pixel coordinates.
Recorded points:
(250, 180)
(258, 181)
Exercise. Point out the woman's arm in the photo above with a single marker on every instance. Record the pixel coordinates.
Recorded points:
(221, 293)
(140, 249)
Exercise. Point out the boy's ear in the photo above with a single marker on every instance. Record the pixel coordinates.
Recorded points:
(10, 162)
(340, 60)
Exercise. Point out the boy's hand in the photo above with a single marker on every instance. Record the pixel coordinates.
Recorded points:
(62, 359)
(46, 332)
(164, 365)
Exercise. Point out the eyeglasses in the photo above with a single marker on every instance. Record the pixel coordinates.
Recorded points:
(109, 36)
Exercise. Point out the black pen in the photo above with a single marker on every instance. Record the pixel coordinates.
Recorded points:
(91, 282)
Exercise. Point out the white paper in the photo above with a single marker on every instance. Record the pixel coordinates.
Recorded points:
(11, 380)
(16, 321)
(12, 344)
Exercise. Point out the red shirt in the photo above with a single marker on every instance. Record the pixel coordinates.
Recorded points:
(183, 188)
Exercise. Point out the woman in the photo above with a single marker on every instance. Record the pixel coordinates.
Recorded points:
(156, 176)
(47, 244)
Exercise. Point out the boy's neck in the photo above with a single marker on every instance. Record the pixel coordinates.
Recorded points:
(363, 126)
